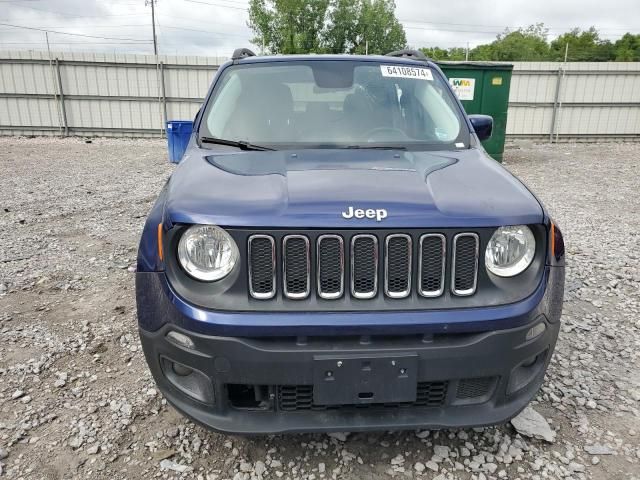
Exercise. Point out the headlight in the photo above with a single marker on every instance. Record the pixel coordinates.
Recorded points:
(207, 253)
(510, 251)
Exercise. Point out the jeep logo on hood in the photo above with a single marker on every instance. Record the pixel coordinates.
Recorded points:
(379, 214)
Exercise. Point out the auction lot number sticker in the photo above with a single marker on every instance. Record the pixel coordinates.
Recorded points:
(406, 72)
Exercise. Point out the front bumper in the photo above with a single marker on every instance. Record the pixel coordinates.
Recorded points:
(265, 385)
(258, 373)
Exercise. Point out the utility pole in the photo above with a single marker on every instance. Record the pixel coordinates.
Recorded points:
(566, 52)
(466, 54)
(159, 72)
(153, 24)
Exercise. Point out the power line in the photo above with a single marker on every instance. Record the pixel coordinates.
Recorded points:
(67, 43)
(97, 26)
(216, 4)
(173, 17)
(205, 31)
(70, 15)
(131, 40)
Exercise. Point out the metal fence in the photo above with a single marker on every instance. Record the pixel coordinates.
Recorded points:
(99, 94)
(132, 95)
(575, 101)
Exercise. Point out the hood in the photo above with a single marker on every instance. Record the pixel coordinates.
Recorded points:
(312, 188)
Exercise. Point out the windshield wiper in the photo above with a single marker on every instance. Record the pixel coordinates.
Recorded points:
(242, 145)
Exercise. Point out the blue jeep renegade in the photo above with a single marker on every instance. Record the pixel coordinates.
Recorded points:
(337, 252)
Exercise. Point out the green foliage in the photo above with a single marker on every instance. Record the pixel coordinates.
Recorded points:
(584, 46)
(349, 26)
(331, 26)
(627, 49)
(288, 26)
(530, 43)
(452, 54)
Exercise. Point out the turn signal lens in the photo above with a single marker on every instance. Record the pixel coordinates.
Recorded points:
(180, 339)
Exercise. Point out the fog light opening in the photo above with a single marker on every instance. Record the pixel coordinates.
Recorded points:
(181, 370)
(180, 339)
(188, 380)
(535, 331)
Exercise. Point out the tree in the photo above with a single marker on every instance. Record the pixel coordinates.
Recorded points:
(288, 26)
(378, 28)
(627, 49)
(333, 26)
(436, 53)
(523, 44)
(584, 46)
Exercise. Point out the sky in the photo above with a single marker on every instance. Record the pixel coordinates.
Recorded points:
(216, 27)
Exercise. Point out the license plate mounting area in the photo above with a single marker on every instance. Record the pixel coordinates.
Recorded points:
(354, 379)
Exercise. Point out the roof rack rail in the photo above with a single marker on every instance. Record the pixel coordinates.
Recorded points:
(408, 53)
(240, 53)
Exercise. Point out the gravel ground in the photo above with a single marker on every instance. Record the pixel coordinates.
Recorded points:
(77, 401)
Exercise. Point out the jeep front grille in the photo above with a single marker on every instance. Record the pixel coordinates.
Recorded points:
(433, 249)
(465, 264)
(262, 268)
(397, 265)
(330, 253)
(296, 266)
(404, 265)
(364, 266)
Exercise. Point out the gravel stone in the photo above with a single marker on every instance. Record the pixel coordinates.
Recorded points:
(73, 212)
(597, 449)
(531, 424)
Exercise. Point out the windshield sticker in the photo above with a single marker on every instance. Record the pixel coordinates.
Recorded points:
(396, 71)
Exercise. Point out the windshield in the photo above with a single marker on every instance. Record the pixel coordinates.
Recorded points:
(334, 104)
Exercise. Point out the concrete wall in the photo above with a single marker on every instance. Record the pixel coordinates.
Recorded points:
(129, 95)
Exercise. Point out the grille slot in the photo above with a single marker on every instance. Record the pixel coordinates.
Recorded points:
(474, 387)
(432, 264)
(295, 397)
(431, 394)
(465, 264)
(397, 265)
(296, 266)
(330, 255)
(300, 397)
(262, 267)
(364, 266)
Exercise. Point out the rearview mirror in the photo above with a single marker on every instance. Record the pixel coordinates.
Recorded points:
(482, 125)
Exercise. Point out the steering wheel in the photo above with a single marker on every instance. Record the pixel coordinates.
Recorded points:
(392, 134)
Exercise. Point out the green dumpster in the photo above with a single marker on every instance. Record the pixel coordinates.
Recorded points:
(483, 87)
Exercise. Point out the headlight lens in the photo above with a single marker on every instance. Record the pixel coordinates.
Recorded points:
(510, 251)
(207, 252)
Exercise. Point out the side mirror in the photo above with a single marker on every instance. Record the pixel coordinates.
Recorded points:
(483, 126)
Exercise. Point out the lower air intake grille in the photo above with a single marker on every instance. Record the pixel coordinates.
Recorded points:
(300, 397)
(474, 387)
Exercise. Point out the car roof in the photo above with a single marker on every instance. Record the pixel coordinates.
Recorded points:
(344, 57)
